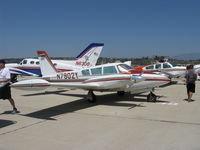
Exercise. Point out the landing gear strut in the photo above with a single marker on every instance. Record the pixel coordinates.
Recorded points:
(91, 97)
(13, 78)
(151, 97)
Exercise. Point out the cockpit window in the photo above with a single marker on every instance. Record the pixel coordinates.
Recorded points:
(165, 65)
(24, 61)
(109, 70)
(124, 67)
(32, 62)
(158, 66)
(85, 72)
(174, 64)
(150, 67)
(96, 71)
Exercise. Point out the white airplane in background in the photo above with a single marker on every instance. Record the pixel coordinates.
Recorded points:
(86, 58)
(117, 77)
(198, 71)
(170, 69)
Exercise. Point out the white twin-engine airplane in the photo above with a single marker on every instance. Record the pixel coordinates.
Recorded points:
(86, 58)
(108, 77)
(170, 69)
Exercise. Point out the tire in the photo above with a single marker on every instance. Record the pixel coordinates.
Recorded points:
(151, 97)
(91, 97)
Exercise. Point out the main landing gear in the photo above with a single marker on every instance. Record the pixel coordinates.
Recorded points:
(151, 97)
(91, 97)
(120, 93)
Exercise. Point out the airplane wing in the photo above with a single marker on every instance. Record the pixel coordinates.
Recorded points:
(98, 83)
(197, 68)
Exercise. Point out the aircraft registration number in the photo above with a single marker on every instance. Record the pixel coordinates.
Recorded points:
(67, 76)
(79, 63)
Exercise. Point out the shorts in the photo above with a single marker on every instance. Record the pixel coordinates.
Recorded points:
(191, 87)
(5, 92)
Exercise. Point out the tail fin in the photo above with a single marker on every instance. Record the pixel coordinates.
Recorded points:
(90, 55)
(46, 65)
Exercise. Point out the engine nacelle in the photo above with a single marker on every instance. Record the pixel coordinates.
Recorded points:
(137, 78)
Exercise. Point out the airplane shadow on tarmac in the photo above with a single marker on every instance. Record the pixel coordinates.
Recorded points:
(4, 123)
(108, 99)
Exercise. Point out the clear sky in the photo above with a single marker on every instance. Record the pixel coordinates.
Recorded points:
(128, 28)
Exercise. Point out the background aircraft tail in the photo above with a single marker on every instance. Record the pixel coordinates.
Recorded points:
(46, 65)
(90, 55)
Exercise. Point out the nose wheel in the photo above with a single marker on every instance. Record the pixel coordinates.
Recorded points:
(151, 97)
(91, 97)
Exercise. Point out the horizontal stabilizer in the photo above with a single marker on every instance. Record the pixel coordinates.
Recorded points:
(31, 85)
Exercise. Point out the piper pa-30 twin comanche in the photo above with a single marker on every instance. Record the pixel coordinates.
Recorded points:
(86, 58)
(108, 77)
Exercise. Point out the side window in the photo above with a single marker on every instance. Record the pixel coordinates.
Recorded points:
(150, 67)
(158, 66)
(32, 62)
(109, 70)
(37, 62)
(24, 61)
(166, 66)
(85, 72)
(96, 71)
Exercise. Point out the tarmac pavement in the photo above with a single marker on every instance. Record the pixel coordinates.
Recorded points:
(64, 120)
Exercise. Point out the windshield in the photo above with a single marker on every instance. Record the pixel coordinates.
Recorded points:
(124, 67)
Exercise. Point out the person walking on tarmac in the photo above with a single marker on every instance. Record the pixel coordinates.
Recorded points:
(190, 77)
(5, 91)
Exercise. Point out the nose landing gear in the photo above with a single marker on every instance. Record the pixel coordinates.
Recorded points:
(151, 97)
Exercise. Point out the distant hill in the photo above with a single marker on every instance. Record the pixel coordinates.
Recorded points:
(188, 56)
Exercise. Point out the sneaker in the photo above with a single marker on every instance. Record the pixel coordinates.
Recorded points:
(14, 111)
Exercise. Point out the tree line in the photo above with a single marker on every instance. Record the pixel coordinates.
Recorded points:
(134, 61)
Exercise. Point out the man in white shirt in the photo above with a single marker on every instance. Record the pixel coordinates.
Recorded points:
(5, 92)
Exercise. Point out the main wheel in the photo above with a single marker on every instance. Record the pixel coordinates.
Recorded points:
(120, 93)
(91, 97)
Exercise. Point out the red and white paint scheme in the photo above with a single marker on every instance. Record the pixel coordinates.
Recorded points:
(108, 77)
(170, 69)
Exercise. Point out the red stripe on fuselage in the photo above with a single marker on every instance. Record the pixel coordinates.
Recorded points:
(27, 67)
(167, 80)
(30, 85)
